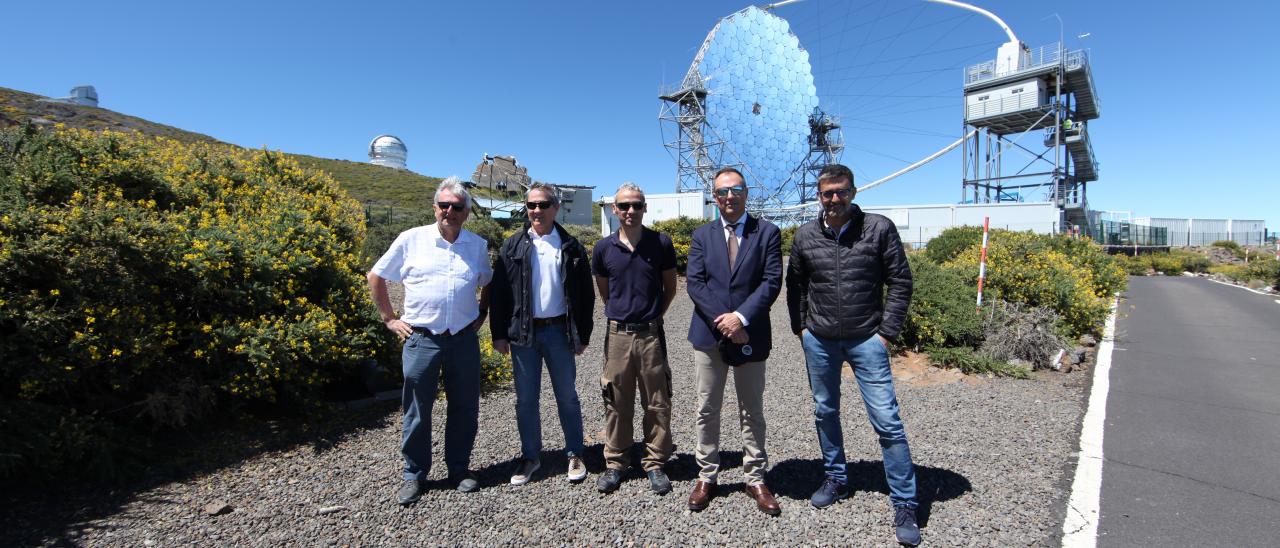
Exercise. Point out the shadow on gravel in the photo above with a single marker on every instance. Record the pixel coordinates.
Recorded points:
(796, 479)
(57, 513)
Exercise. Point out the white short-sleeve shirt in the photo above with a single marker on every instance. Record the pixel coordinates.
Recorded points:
(440, 278)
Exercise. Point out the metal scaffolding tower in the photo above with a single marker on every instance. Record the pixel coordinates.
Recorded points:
(697, 159)
(1038, 106)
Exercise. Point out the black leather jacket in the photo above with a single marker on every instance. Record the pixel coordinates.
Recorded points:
(835, 287)
(511, 291)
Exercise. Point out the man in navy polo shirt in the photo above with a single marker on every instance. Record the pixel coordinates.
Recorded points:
(635, 271)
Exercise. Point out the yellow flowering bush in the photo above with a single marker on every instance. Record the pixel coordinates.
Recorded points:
(680, 230)
(1049, 271)
(146, 280)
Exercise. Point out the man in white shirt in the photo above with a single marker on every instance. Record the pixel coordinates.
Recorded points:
(542, 307)
(441, 266)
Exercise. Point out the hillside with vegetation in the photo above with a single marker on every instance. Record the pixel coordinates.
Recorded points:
(380, 188)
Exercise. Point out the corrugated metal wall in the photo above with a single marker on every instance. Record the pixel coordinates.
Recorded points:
(1202, 232)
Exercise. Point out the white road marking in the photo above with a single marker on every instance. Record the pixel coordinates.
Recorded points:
(1080, 529)
(1240, 286)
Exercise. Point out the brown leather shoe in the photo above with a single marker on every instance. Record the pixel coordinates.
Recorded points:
(764, 499)
(701, 495)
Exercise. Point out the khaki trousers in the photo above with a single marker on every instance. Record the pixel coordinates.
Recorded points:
(633, 359)
(710, 374)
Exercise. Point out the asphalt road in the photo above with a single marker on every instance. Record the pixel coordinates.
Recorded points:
(1192, 437)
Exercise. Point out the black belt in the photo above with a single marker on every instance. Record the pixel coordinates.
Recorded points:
(554, 320)
(446, 333)
(630, 327)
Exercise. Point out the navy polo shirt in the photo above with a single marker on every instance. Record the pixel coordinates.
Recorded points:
(635, 278)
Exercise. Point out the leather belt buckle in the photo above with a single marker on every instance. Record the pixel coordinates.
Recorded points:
(633, 328)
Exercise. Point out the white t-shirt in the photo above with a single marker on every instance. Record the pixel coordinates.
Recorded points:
(440, 278)
(548, 284)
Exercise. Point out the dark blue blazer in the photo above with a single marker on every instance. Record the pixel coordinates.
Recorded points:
(749, 289)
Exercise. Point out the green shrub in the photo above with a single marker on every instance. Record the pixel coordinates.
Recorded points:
(943, 307)
(144, 281)
(972, 363)
(952, 242)
(1134, 266)
(1266, 269)
(1177, 261)
(1229, 245)
(588, 235)
(680, 230)
(788, 236)
(1234, 272)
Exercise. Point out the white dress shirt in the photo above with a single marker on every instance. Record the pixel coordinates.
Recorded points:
(548, 284)
(737, 234)
(440, 278)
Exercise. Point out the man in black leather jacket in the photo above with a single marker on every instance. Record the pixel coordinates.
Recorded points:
(541, 306)
(840, 265)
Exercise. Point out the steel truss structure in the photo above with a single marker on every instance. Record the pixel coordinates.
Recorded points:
(1049, 133)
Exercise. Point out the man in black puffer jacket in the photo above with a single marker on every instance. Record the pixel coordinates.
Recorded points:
(542, 305)
(840, 265)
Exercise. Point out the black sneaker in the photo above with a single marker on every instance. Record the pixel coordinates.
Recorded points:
(659, 482)
(904, 524)
(465, 482)
(609, 481)
(830, 491)
(409, 493)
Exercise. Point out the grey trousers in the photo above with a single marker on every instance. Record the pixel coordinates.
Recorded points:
(711, 374)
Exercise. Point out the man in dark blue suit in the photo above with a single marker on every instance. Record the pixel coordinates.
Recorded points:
(734, 275)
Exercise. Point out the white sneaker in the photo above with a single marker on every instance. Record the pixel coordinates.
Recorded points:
(577, 470)
(524, 471)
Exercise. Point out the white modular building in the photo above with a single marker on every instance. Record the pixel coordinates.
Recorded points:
(917, 224)
(1192, 232)
(660, 207)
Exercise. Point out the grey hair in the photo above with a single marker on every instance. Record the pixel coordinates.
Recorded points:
(552, 190)
(630, 186)
(454, 185)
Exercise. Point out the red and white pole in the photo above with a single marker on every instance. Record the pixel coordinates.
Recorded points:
(982, 261)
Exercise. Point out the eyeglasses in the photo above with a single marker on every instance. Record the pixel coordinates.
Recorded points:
(626, 206)
(543, 205)
(842, 193)
(456, 206)
(738, 190)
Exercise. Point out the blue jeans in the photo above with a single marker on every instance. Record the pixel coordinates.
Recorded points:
(425, 358)
(870, 359)
(550, 344)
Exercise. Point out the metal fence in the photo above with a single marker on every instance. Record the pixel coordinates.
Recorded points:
(1122, 233)
(1202, 239)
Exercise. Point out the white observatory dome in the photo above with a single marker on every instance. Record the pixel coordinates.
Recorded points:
(388, 150)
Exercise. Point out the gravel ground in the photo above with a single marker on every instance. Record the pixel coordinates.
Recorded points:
(993, 460)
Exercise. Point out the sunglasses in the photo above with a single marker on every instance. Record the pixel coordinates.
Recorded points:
(626, 206)
(543, 205)
(455, 206)
(842, 193)
(738, 190)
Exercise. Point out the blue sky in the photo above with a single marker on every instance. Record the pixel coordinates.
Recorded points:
(570, 88)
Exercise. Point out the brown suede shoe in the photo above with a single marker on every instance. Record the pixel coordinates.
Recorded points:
(764, 499)
(701, 495)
